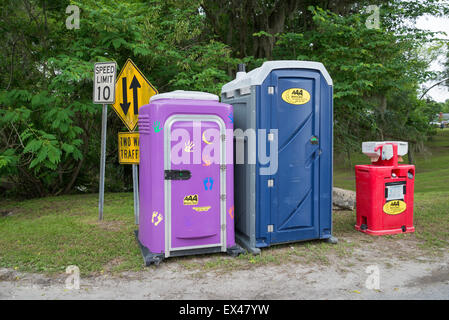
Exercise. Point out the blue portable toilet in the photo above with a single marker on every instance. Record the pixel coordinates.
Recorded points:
(283, 180)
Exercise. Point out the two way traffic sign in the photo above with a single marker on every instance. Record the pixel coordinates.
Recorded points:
(133, 90)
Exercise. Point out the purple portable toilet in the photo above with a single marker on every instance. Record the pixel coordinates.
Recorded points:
(186, 180)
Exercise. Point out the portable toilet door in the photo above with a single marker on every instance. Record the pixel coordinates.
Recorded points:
(186, 181)
(286, 196)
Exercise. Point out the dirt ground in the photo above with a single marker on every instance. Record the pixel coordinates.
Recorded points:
(403, 274)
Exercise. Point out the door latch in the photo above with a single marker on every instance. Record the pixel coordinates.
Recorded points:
(314, 140)
(177, 174)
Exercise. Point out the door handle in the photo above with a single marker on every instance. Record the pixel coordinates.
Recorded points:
(313, 157)
(177, 174)
(317, 153)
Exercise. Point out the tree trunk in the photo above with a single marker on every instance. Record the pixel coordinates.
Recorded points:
(410, 154)
(246, 17)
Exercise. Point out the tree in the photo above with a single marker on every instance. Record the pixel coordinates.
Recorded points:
(446, 72)
(50, 128)
(251, 27)
(48, 124)
(376, 73)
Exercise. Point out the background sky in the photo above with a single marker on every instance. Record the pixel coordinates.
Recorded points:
(439, 93)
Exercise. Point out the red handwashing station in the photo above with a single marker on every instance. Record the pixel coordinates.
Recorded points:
(384, 190)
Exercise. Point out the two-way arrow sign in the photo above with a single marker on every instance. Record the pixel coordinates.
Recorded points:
(125, 105)
(140, 89)
(135, 84)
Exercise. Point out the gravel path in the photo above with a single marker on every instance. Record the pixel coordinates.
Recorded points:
(417, 278)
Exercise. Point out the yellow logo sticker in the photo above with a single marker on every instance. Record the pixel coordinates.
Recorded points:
(201, 209)
(191, 200)
(296, 96)
(395, 207)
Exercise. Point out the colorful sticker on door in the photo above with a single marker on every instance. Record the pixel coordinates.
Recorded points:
(157, 126)
(156, 218)
(191, 200)
(208, 183)
(204, 139)
(296, 96)
(188, 146)
(207, 162)
(395, 207)
(231, 212)
(201, 209)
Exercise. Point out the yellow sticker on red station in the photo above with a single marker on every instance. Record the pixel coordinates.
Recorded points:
(128, 147)
(296, 96)
(395, 207)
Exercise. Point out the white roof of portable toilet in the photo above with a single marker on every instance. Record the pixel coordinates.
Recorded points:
(181, 94)
(257, 76)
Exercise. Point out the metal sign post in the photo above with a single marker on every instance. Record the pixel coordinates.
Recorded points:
(133, 90)
(104, 123)
(104, 93)
(136, 192)
(128, 153)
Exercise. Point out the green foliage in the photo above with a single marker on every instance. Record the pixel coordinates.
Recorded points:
(446, 72)
(444, 107)
(49, 125)
(50, 129)
(376, 75)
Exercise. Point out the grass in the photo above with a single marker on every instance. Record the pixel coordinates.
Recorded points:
(432, 166)
(49, 234)
(431, 203)
(431, 219)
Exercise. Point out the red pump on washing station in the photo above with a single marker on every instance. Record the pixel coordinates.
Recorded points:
(384, 190)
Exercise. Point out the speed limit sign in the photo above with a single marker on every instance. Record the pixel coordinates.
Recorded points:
(104, 82)
(104, 93)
